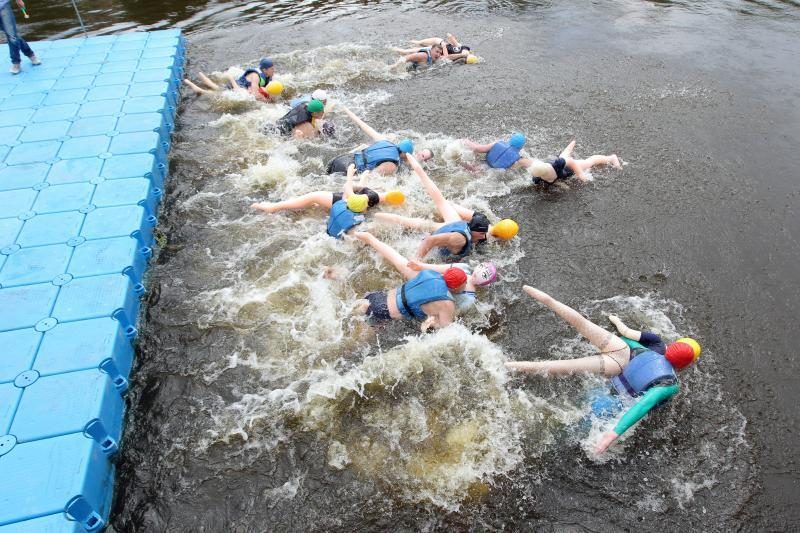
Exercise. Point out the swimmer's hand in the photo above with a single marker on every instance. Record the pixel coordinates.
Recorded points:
(606, 441)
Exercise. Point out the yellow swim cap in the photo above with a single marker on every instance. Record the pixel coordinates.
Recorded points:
(693, 343)
(357, 203)
(471, 59)
(274, 88)
(395, 197)
(505, 229)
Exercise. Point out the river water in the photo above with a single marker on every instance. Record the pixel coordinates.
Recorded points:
(259, 405)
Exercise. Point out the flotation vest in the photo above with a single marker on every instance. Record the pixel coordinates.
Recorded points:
(306, 98)
(502, 155)
(342, 219)
(245, 83)
(456, 227)
(645, 370)
(375, 154)
(429, 60)
(427, 286)
(298, 115)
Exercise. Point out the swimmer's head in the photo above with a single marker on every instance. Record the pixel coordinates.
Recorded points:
(479, 226)
(681, 353)
(539, 169)
(436, 51)
(455, 278)
(320, 94)
(506, 229)
(423, 155)
(274, 88)
(406, 146)
(471, 59)
(517, 140)
(328, 129)
(315, 106)
(357, 203)
(395, 197)
(267, 66)
(484, 274)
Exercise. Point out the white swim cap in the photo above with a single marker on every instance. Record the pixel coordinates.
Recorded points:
(319, 94)
(539, 169)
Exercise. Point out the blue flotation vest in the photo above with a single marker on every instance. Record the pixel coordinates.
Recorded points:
(342, 219)
(375, 154)
(245, 83)
(428, 53)
(645, 370)
(306, 98)
(427, 286)
(456, 227)
(502, 155)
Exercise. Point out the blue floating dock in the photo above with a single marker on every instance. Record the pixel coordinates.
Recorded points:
(84, 140)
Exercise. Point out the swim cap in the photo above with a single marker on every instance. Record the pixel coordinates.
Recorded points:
(357, 203)
(486, 273)
(274, 88)
(454, 277)
(679, 354)
(479, 222)
(505, 229)
(315, 106)
(319, 94)
(406, 146)
(517, 140)
(395, 197)
(539, 169)
(265, 63)
(328, 129)
(471, 59)
(693, 343)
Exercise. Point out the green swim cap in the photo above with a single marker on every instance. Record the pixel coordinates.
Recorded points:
(315, 106)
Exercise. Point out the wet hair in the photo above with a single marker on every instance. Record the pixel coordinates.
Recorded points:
(428, 149)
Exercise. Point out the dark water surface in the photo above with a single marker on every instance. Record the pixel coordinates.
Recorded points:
(249, 419)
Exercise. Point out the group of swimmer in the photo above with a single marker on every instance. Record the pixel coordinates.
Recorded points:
(641, 367)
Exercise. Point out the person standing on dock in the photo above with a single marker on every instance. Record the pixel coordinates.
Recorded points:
(15, 42)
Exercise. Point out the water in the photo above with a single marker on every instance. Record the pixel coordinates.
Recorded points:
(260, 406)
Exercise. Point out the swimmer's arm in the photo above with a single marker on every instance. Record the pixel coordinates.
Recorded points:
(431, 241)
(348, 184)
(363, 125)
(644, 405)
(420, 57)
(624, 330)
(475, 147)
(463, 212)
(419, 266)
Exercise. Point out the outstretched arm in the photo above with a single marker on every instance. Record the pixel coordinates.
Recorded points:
(374, 135)
(624, 330)
(431, 241)
(465, 213)
(408, 222)
(475, 147)
(653, 397)
(444, 207)
(419, 266)
(348, 184)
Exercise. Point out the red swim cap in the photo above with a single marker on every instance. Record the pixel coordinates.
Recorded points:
(679, 354)
(454, 277)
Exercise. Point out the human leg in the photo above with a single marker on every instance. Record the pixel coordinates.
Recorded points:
(211, 84)
(567, 152)
(9, 26)
(407, 222)
(430, 41)
(196, 88)
(596, 160)
(387, 252)
(445, 208)
(320, 198)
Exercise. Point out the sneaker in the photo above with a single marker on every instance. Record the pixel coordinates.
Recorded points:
(15, 68)
(35, 60)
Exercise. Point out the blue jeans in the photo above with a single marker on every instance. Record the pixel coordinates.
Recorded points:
(15, 42)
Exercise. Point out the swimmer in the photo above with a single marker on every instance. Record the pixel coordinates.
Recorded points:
(455, 236)
(424, 56)
(425, 295)
(304, 121)
(257, 82)
(502, 154)
(327, 199)
(564, 166)
(451, 48)
(483, 275)
(641, 366)
(382, 156)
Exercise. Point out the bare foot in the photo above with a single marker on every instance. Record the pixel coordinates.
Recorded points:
(616, 162)
(363, 236)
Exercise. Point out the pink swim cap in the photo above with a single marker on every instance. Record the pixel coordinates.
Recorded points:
(486, 274)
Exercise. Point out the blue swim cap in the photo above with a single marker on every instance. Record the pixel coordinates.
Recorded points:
(406, 146)
(265, 63)
(517, 140)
